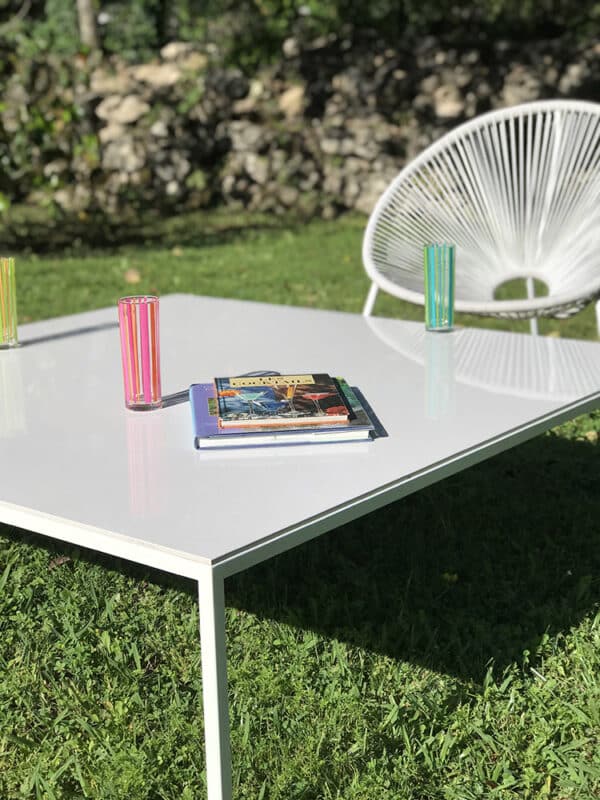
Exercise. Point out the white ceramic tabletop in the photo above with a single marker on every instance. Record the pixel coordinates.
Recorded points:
(75, 464)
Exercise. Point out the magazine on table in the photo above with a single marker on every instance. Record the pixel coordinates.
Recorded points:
(279, 400)
(208, 434)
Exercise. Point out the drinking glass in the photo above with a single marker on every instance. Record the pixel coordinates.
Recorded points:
(439, 286)
(8, 304)
(140, 352)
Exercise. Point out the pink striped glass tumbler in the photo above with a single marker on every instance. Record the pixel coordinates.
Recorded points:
(8, 304)
(140, 352)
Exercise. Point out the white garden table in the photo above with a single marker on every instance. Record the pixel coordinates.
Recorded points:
(76, 466)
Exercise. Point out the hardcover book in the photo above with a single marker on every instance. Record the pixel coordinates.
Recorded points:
(208, 434)
(292, 400)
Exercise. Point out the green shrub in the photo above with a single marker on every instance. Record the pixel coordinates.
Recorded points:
(252, 31)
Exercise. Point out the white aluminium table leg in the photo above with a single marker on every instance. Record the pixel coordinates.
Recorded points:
(211, 598)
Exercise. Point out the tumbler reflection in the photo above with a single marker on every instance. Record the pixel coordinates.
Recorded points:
(439, 376)
(144, 439)
(12, 395)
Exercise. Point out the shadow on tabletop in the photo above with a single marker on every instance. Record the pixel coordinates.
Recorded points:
(471, 570)
(51, 337)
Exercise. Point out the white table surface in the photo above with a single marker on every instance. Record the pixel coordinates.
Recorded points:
(75, 464)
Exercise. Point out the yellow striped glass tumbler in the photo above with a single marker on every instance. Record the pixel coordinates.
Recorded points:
(8, 304)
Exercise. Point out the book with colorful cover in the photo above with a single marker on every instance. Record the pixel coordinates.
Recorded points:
(208, 434)
(290, 400)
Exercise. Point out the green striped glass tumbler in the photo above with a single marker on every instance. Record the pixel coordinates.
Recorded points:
(8, 304)
(439, 286)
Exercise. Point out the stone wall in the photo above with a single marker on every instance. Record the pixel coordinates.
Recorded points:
(322, 131)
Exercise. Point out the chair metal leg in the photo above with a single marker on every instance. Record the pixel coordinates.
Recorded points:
(598, 316)
(211, 597)
(533, 323)
(370, 301)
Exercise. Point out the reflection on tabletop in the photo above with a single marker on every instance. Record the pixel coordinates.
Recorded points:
(145, 438)
(440, 393)
(12, 395)
(517, 364)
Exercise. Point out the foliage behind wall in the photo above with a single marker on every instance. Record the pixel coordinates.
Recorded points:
(252, 31)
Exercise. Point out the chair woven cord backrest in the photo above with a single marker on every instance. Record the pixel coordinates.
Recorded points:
(517, 191)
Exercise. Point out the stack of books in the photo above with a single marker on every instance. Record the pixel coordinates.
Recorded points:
(277, 410)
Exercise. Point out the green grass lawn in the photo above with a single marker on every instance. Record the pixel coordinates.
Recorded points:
(375, 663)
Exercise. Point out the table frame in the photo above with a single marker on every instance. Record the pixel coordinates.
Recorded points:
(210, 575)
(211, 580)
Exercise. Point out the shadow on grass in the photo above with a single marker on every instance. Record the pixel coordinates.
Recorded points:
(35, 230)
(473, 569)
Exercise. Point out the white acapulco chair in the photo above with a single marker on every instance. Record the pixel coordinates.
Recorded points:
(518, 192)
